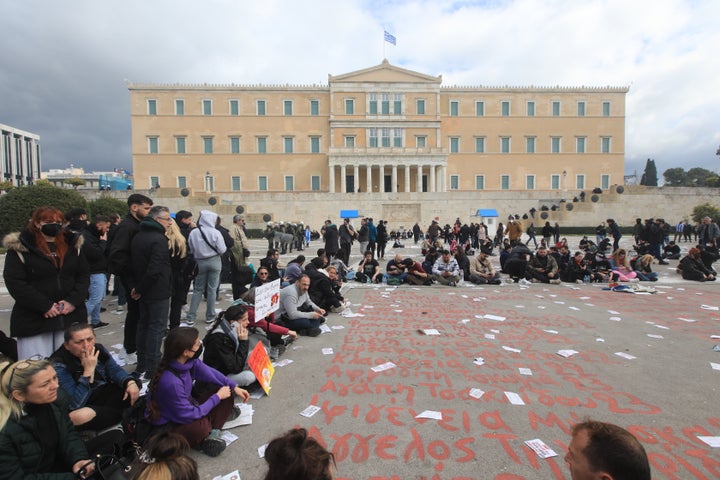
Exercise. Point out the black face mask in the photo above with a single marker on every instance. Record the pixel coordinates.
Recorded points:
(198, 352)
(51, 229)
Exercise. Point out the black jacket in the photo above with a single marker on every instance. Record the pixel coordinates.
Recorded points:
(151, 261)
(119, 244)
(36, 284)
(94, 249)
(223, 354)
(331, 240)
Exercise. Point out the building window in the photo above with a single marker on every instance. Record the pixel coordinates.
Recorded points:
(604, 181)
(207, 144)
(260, 104)
(555, 108)
(397, 104)
(209, 183)
(385, 137)
(504, 144)
(420, 106)
(604, 144)
(153, 144)
(314, 144)
(180, 145)
(606, 109)
(235, 145)
(287, 107)
(262, 183)
(372, 104)
(454, 144)
(479, 182)
(385, 105)
(315, 183)
(182, 182)
(479, 144)
(454, 108)
(288, 144)
(235, 183)
(397, 137)
(479, 109)
(373, 140)
(581, 109)
(555, 144)
(505, 108)
(555, 182)
(261, 144)
(580, 182)
(234, 108)
(420, 141)
(207, 107)
(349, 106)
(154, 182)
(531, 109)
(454, 182)
(289, 183)
(179, 106)
(505, 182)
(152, 107)
(314, 108)
(580, 145)
(349, 141)
(530, 182)
(529, 144)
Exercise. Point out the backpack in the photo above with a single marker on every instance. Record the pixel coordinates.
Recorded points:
(137, 428)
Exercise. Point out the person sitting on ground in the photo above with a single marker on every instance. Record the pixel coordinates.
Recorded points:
(294, 270)
(605, 451)
(297, 456)
(643, 268)
(692, 268)
(462, 260)
(368, 269)
(577, 270)
(585, 243)
(446, 270)
(416, 274)
(517, 261)
(227, 345)
(671, 251)
(482, 271)
(170, 399)
(321, 290)
(270, 262)
(97, 389)
(298, 311)
(542, 268)
(273, 335)
(395, 271)
(620, 265)
(430, 259)
(165, 456)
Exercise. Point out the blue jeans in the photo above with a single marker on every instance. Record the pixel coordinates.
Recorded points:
(207, 281)
(301, 323)
(96, 293)
(150, 331)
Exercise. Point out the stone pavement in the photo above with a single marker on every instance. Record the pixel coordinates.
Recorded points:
(662, 388)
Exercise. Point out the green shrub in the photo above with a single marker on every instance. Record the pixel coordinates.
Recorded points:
(106, 206)
(705, 210)
(17, 205)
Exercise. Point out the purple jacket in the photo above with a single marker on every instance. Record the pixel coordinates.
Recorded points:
(173, 392)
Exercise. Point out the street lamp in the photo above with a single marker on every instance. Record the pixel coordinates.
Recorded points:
(565, 180)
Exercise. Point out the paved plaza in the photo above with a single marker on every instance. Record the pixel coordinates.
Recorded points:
(493, 378)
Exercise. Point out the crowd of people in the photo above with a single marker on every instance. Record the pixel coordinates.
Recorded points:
(57, 271)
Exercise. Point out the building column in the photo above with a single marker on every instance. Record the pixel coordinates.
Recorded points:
(443, 180)
(356, 178)
(407, 178)
(368, 178)
(394, 179)
(418, 187)
(331, 179)
(433, 184)
(343, 182)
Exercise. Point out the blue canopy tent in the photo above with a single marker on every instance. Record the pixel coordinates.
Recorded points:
(488, 216)
(349, 214)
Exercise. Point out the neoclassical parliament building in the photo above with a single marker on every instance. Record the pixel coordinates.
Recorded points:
(380, 129)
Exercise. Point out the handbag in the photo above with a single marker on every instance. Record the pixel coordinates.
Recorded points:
(113, 467)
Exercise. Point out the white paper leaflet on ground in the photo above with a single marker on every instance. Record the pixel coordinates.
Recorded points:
(476, 393)
(310, 410)
(382, 367)
(479, 361)
(325, 329)
(567, 353)
(430, 331)
(714, 442)
(283, 362)
(229, 476)
(539, 447)
(327, 351)
(511, 349)
(435, 415)
(514, 398)
(497, 318)
(625, 355)
(715, 366)
(525, 371)
(229, 437)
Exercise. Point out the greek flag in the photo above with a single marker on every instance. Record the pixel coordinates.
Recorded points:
(390, 38)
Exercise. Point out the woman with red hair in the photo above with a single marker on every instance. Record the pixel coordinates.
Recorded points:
(48, 278)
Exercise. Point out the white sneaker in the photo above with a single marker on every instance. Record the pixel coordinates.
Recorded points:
(524, 281)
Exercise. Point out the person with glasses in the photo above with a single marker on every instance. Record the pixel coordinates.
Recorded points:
(170, 398)
(36, 435)
(48, 277)
(153, 288)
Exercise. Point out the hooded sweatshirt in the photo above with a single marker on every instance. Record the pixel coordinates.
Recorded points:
(215, 244)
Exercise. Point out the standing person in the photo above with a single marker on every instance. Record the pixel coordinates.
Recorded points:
(94, 243)
(178, 264)
(499, 233)
(48, 278)
(433, 231)
(708, 233)
(381, 239)
(120, 263)
(547, 233)
(226, 258)
(372, 235)
(347, 235)
(416, 233)
(614, 232)
(199, 417)
(514, 232)
(241, 274)
(363, 237)
(330, 233)
(679, 231)
(556, 232)
(153, 287)
(638, 231)
(531, 235)
(207, 246)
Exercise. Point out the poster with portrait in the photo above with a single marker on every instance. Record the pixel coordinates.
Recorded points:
(260, 364)
(267, 299)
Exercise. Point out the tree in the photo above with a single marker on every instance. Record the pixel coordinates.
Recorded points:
(17, 205)
(649, 177)
(675, 177)
(106, 206)
(75, 182)
(698, 177)
(705, 210)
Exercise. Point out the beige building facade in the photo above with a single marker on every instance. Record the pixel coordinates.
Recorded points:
(383, 129)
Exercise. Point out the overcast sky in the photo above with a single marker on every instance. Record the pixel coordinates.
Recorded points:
(63, 65)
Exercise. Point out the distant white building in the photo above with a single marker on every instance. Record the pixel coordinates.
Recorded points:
(117, 180)
(19, 156)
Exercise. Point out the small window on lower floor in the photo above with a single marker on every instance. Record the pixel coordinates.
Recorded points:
(479, 182)
(315, 183)
(505, 182)
(530, 182)
(580, 182)
(182, 182)
(289, 183)
(555, 182)
(605, 181)
(262, 183)
(235, 183)
(454, 182)
(154, 182)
